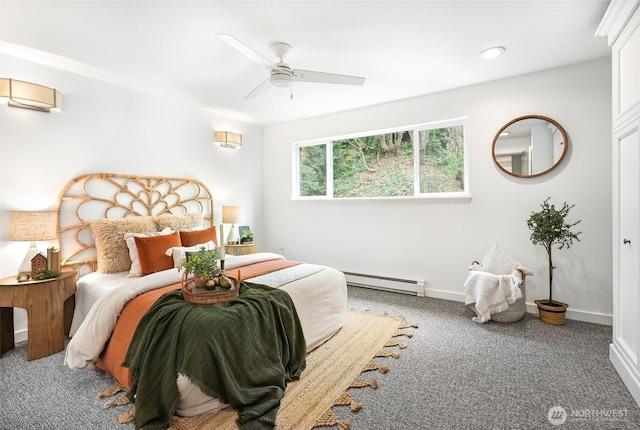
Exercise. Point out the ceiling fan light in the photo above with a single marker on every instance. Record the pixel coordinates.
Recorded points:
(492, 52)
(281, 80)
(281, 75)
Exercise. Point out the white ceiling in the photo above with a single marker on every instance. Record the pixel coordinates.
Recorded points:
(403, 48)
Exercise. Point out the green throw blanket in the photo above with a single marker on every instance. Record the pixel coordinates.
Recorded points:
(243, 351)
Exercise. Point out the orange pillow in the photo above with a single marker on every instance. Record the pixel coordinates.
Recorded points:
(151, 252)
(196, 237)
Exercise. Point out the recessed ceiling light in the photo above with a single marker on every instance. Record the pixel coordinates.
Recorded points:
(492, 52)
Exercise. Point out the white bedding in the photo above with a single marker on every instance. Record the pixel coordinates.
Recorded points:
(318, 292)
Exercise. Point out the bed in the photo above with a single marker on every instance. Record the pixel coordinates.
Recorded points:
(111, 228)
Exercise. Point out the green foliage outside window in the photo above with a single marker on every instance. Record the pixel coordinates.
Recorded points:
(383, 165)
(442, 160)
(373, 166)
(313, 170)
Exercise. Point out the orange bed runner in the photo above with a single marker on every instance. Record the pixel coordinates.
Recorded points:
(112, 356)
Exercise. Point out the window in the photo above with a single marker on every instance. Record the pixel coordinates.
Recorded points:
(420, 161)
(313, 170)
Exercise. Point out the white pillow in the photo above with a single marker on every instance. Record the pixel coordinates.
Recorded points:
(498, 262)
(179, 253)
(135, 270)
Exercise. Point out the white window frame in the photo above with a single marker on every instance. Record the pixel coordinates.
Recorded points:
(328, 142)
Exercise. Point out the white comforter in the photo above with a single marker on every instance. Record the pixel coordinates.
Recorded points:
(318, 292)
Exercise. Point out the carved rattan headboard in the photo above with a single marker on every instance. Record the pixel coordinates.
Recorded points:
(115, 196)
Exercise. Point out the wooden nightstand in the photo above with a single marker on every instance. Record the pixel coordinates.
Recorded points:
(49, 304)
(241, 249)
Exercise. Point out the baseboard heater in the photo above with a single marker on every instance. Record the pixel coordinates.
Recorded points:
(407, 286)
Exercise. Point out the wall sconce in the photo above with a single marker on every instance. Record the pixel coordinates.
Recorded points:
(230, 215)
(32, 227)
(228, 139)
(30, 96)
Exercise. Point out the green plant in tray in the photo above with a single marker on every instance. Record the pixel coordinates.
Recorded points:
(202, 263)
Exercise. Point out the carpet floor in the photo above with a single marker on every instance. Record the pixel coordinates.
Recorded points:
(455, 373)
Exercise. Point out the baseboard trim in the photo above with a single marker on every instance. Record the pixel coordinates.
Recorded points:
(532, 308)
(578, 315)
(627, 373)
(20, 336)
(446, 295)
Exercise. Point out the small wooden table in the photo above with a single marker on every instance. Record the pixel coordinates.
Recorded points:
(49, 304)
(241, 248)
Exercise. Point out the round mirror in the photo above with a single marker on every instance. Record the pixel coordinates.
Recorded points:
(530, 146)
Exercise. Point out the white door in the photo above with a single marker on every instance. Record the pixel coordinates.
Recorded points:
(628, 242)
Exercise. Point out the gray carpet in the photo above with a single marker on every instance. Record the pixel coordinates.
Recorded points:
(455, 374)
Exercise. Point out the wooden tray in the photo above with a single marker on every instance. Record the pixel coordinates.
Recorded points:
(203, 297)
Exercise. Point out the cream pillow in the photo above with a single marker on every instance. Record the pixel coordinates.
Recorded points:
(129, 238)
(178, 222)
(498, 262)
(111, 249)
(179, 253)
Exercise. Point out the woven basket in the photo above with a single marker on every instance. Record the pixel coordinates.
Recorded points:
(552, 314)
(204, 297)
(515, 312)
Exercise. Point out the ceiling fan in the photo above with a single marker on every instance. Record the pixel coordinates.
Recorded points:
(281, 74)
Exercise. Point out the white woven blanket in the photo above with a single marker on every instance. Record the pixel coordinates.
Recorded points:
(491, 293)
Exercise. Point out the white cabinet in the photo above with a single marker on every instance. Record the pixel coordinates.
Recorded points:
(624, 348)
(621, 24)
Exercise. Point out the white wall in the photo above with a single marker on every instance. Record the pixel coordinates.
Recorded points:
(106, 128)
(436, 240)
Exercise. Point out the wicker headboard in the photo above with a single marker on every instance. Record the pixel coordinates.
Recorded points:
(115, 196)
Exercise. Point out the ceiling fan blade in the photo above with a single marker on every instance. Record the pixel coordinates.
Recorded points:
(326, 78)
(264, 86)
(253, 55)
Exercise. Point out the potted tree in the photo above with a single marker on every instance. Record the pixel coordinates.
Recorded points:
(549, 227)
(203, 265)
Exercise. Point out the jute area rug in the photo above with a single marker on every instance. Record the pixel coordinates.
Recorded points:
(331, 370)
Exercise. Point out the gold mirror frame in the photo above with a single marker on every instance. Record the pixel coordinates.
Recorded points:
(522, 126)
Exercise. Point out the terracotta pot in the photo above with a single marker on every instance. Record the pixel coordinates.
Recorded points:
(552, 312)
(200, 281)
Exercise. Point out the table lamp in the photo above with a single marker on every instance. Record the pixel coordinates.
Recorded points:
(32, 226)
(230, 215)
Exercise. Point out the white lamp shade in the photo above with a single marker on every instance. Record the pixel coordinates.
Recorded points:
(230, 214)
(33, 226)
(228, 139)
(31, 96)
